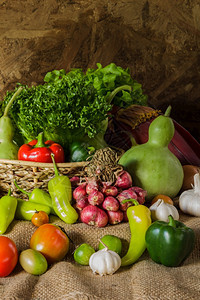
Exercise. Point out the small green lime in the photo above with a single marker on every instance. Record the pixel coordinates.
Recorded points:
(82, 254)
(112, 242)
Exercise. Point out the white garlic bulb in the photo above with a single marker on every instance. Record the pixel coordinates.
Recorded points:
(105, 262)
(160, 210)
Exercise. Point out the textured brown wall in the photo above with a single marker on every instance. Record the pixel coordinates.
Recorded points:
(159, 40)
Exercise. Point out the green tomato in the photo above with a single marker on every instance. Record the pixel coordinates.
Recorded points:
(82, 254)
(112, 242)
(33, 262)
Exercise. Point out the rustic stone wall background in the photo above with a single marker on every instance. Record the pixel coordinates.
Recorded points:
(158, 40)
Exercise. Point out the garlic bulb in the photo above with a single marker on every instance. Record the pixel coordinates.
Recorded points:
(105, 262)
(189, 201)
(160, 210)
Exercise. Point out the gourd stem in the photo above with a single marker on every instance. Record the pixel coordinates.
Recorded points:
(171, 221)
(168, 111)
(20, 189)
(11, 101)
(117, 90)
(54, 164)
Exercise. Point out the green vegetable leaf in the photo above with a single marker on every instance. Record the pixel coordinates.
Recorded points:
(74, 105)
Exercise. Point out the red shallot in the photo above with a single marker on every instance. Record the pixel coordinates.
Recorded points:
(110, 203)
(124, 180)
(93, 215)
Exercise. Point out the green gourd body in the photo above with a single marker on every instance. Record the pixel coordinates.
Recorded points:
(152, 165)
(8, 148)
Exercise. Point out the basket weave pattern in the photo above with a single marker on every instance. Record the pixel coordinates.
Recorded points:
(30, 175)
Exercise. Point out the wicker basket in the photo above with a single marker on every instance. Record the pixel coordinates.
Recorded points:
(30, 175)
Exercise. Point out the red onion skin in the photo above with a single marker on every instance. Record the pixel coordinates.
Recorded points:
(124, 180)
(95, 198)
(110, 203)
(141, 194)
(93, 215)
(125, 218)
(124, 195)
(110, 191)
(115, 217)
(79, 191)
(91, 185)
(82, 202)
(75, 180)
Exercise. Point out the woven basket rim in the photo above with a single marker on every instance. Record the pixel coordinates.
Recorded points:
(45, 165)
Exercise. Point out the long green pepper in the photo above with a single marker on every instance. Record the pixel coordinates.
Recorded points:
(61, 194)
(139, 217)
(38, 196)
(26, 209)
(8, 205)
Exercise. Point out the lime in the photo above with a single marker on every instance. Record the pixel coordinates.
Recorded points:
(82, 254)
(112, 242)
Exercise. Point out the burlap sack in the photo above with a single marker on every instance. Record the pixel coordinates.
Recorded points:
(68, 280)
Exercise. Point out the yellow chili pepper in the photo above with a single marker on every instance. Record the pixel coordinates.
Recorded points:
(139, 217)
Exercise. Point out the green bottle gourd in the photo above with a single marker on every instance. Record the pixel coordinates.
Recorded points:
(8, 149)
(152, 165)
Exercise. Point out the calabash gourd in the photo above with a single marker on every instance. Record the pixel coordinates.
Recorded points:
(152, 165)
(8, 148)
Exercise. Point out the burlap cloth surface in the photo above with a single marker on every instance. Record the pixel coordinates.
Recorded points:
(68, 280)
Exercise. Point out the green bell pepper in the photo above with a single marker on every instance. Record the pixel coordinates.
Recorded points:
(169, 243)
(79, 151)
(8, 205)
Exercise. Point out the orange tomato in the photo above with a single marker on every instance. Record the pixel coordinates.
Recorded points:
(165, 198)
(39, 218)
(51, 241)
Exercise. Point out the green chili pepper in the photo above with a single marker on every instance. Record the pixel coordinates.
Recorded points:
(61, 194)
(139, 217)
(8, 205)
(38, 196)
(26, 209)
(169, 243)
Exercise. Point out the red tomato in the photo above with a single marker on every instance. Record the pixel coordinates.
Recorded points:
(51, 241)
(8, 256)
(39, 218)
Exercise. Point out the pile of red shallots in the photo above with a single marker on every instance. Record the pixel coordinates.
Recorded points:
(100, 203)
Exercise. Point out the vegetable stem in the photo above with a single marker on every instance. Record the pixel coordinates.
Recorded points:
(11, 101)
(9, 192)
(20, 189)
(105, 247)
(117, 90)
(135, 202)
(40, 141)
(168, 111)
(54, 164)
(171, 221)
